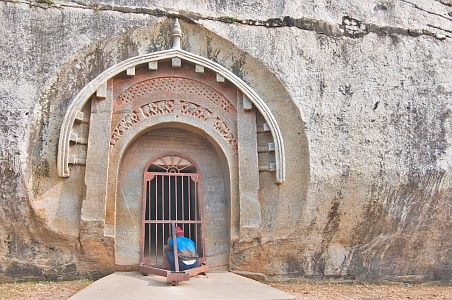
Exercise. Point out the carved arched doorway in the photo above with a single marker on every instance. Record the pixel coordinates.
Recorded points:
(202, 168)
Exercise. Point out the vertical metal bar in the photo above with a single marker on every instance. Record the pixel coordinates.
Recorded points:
(176, 257)
(156, 217)
(167, 191)
(184, 202)
(162, 195)
(162, 238)
(151, 199)
(175, 193)
(189, 204)
(144, 218)
(183, 196)
(155, 243)
(156, 199)
(196, 200)
(148, 230)
(148, 204)
(169, 197)
(196, 211)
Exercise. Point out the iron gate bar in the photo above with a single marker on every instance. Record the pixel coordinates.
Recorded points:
(189, 209)
(176, 257)
(156, 214)
(169, 196)
(176, 195)
(196, 214)
(182, 192)
(170, 221)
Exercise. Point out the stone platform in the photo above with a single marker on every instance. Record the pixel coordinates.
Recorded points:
(213, 285)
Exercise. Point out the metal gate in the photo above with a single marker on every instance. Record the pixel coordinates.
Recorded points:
(171, 195)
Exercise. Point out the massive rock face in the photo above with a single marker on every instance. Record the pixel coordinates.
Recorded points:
(362, 93)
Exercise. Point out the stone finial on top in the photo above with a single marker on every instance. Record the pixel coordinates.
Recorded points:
(176, 35)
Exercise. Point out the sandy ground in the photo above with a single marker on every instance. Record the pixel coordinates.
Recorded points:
(302, 290)
(43, 290)
(339, 291)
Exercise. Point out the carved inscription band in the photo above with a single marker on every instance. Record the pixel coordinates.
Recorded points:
(170, 107)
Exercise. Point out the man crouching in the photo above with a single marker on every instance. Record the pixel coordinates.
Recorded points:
(186, 252)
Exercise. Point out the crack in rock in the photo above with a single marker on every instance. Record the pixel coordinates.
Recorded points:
(350, 27)
(445, 2)
(427, 11)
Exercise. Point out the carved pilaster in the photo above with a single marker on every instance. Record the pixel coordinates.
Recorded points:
(96, 176)
(250, 210)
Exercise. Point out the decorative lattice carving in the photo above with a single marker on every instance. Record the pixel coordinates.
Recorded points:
(123, 125)
(194, 110)
(226, 132)
(158, 108)
(175, 84)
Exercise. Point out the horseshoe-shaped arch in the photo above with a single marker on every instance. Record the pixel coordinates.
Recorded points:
(74, 111)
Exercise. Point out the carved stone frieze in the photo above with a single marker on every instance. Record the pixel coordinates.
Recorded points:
(158, 108)
(174, 84)
(194, 110)
(222, 128)
(127, 122)
(169, 107)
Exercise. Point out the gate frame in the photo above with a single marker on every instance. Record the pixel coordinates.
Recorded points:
(173, 276)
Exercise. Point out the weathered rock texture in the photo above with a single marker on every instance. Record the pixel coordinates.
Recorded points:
(362, 91)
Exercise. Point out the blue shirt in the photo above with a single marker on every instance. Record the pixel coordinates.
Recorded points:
(183, 243)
